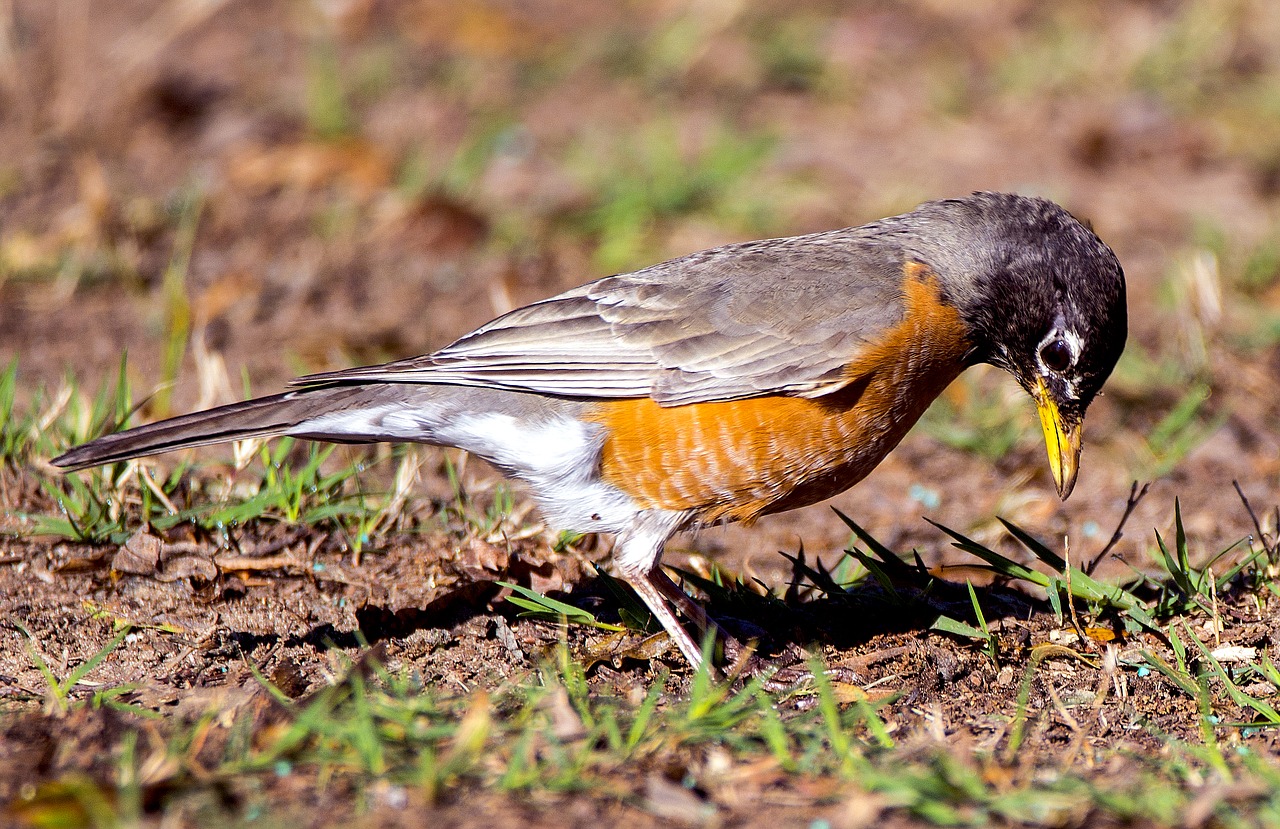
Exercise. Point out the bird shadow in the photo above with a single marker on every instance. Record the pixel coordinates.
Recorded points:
(816, 610)
(812, 610)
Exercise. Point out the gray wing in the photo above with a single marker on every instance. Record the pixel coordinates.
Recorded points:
(780, 316)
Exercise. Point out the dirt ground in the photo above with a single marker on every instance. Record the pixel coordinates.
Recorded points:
(369, 179)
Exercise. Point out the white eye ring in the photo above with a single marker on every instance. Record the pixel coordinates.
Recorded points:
(1060, 332)
(1074, 345)
(1056, 355)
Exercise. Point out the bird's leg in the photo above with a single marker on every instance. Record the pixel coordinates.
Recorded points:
(638, 562)
(657, 604)
(740, 656)
(783, 673)
(675, 594)
(637, 559)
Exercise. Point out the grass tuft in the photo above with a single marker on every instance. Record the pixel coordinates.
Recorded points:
(653, 180)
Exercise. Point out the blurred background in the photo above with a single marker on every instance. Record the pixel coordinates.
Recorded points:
(239, 191)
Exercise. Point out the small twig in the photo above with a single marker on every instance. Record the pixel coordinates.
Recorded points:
(269, 547)
(284, 561)
(145, 474)
(1067, 719)
(865, 661)
(1135, 496)
(201, 640)
(1218, 627)
(1257, 525)
(1071, 598)
(1105, 679)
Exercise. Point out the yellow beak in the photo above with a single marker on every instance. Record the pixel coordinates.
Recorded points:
(1062, 441)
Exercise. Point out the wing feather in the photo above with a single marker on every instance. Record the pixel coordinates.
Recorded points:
(782, 316)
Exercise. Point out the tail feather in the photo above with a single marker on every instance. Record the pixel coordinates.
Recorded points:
(340, 413)
(261, 417)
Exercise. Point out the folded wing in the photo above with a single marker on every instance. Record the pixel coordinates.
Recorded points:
(798, 313)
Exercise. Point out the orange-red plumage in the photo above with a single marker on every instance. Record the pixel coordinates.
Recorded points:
(740, 459)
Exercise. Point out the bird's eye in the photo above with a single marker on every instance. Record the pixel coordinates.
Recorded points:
(1056, 355)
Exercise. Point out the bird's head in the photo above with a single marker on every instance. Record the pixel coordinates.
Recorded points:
(1044, 299)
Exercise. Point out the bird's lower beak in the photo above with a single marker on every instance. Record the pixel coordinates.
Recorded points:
(1062, 439)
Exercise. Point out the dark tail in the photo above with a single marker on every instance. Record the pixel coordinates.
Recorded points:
(262, 417)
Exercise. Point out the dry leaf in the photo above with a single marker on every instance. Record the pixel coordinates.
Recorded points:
(140, 555)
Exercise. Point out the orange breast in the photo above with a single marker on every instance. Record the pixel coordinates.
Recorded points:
(738, 460)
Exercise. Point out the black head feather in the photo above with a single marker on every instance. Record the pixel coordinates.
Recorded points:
(1043, 296)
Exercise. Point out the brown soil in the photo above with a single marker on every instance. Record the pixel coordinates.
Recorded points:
(312, 253)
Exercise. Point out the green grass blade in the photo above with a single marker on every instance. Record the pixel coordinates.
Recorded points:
(633, 612)
(538, 605)
(1239, 697)
(881, 552)
(1180, 678)
(1005, 566)
(955, 627)
(94, 661)
(1035, 545)
(977, 609)
(879, 573)
(643, 716)
(1171, 564)
(11, 441)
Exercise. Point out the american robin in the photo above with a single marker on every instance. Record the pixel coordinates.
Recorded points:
(732, 383)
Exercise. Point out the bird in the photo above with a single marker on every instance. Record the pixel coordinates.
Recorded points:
(731, 383)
